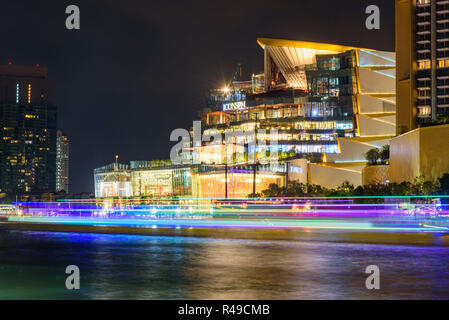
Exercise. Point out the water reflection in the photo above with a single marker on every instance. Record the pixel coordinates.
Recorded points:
(32, 265)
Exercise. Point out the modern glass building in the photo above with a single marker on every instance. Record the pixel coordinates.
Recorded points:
(328, 103)
(112, 181)
(150, 180)
(28, 130)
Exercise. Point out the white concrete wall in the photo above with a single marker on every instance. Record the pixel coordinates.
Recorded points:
(375, 82)
(376, 58)
(349, 151)
(330, 177)
(384, 126)
(375, 105)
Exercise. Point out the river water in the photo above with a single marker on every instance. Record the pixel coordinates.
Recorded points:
(32, 266)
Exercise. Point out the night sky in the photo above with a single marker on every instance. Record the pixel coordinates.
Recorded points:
(139, 69)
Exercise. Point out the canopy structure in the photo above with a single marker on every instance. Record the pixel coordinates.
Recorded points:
(292, 57)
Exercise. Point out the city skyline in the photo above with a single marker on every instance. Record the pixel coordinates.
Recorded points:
(211, 151)
(92, 102)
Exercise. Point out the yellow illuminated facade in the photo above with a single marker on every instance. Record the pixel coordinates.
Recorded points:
(212, 185)
(420, 152)
(328, 103)
(341, 103)
(123, 181)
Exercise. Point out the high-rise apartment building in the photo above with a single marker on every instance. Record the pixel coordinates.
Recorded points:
(422, 47)
(27, 130)
(62, 162)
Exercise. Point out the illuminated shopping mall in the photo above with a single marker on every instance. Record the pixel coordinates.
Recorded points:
(328, 103)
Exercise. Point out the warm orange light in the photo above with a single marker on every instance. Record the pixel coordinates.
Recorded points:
(29, 93)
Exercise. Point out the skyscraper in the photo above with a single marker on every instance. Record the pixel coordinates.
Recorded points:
(62, 162)
(28, 130)
(422, 47)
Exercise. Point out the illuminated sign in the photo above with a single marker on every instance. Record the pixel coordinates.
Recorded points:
(239, 105)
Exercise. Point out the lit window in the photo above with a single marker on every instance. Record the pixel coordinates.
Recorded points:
(424, 111)
(444, 63)
(424, 93)
(424, 64)
(17, 93)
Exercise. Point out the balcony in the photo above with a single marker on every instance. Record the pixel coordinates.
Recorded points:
(442, 27)
(423, 85)
(443, 103)
(443, 93)
(423, 75)
(424, 112)
(443, 18)
(442, 8)
(442, 73)
(442, 84)
(423, 5)
(443, 37)
(423, 56)
(442, 54)
(423, 47)
(442, 45)
(422, 30)
(424, 102)
(423, 51)
(423, 20)
(423, 39)
(424, 93)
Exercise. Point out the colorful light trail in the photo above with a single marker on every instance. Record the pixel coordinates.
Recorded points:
(424, 214)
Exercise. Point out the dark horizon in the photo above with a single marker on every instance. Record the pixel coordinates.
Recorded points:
(136, 71)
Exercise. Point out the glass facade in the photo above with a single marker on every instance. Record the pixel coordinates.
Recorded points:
(311, 98)
(112, 181)
(161, 182)
(309, 118)
(27, 131)
(332, 85)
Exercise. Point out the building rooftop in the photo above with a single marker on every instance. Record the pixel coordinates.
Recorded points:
(331, 48)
